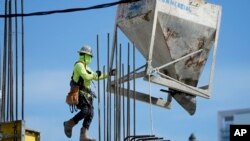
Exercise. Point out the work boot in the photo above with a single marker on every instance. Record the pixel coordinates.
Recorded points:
(68, 125)
(84, 135)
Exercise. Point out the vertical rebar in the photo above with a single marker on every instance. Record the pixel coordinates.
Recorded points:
(7, 58)
(113, 46)
(104, 106)
(9, 108)
(10, 66)
(9, 104)
(109, 93)
(128, 95)
(16, 43)
(1, 114)
(110, 111)
(98, 89)
(150, 101)
(119, 86)
(115, 94)
(134, 93)
(114, 100)
(108, 87)
(22, 21)
(4, 65)
(123, 102)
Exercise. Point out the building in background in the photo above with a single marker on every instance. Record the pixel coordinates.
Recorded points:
(225, 118)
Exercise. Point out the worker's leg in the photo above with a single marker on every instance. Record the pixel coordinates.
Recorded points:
(86, 123)
(81, 114)
(83, 107)
(88, 119)
(68, 125)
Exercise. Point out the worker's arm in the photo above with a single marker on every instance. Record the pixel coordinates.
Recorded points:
(103, 76)
(81, 70)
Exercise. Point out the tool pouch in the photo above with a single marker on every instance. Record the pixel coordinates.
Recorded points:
(72, 97)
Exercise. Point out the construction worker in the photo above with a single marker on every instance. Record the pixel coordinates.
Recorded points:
(81, 78)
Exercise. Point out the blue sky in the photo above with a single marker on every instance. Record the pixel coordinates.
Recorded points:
(51, 44)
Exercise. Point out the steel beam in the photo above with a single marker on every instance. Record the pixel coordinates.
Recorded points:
(211, 78)
(179, 86)
(152, 40)
(145, 98)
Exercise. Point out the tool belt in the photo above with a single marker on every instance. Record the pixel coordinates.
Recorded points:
(88, 95)
(87, 92)
(72, 97)
(75, 90)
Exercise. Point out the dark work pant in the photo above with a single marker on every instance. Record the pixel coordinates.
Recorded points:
(86, 112)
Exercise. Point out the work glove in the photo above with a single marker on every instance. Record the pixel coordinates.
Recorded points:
(99, 73)
(112, 72)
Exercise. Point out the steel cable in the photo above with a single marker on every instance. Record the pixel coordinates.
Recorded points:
(42, 13)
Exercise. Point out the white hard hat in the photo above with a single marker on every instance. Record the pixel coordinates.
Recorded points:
(86, 49)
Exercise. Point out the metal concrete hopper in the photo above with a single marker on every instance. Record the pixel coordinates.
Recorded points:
(175, 37)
